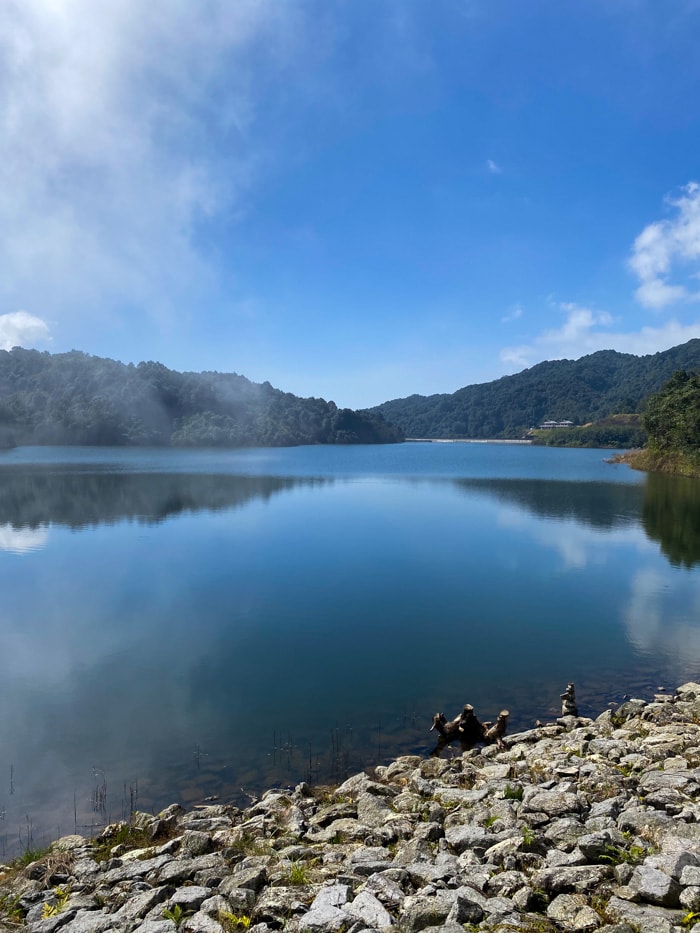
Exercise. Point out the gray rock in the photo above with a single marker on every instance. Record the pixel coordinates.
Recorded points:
(250, 873)
(368, 909)
(565, 907)
(139, 868)
(175, 871)
(156, 926)
(189, 897)
(194, 842)
(690, 874)
(655, 887)
(202, 923)
(334, 811)
(85, 869)
(92, 922)
(240, 900)
(214, 905)
(277, 905)
(373, 810)
(644, 916)
(369, 859)
(138, 906)
(387, 891)
(564, 833)
(690, 897)
(475, 838)
(578, 879)
(506, 883)
(586, 919)
(597, 845)
(419, 911)
(673, 863)
(551, 802)
(609, 807)
(465, 910)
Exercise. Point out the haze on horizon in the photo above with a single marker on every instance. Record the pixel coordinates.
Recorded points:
(358, 201)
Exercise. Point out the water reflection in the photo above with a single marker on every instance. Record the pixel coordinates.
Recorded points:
(671, 516)
(34, 498)
(661, 618)
(600, 505)
(22, 540)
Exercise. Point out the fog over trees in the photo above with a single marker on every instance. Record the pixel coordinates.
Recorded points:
(74, 398)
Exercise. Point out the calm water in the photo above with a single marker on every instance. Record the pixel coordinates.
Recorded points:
(177, 625)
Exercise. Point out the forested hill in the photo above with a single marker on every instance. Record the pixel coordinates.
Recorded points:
(562, 390)
(73, 398)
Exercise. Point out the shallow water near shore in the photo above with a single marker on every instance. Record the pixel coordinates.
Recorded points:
(178, 625)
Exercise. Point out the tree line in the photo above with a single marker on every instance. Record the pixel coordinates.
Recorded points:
(75, 398)
(584, 390)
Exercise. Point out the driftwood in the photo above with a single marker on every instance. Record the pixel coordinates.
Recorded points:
(467, 729)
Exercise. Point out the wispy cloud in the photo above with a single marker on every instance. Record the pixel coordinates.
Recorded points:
(666, 248)
(493, 167)
(514, 314)
(124, 126)
(20, 329)
(585, 331)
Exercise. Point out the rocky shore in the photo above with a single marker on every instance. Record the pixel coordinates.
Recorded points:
(579, 825)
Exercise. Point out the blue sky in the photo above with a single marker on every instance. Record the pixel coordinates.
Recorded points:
(354, 199)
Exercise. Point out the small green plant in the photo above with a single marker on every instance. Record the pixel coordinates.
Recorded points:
(299, 874)
(125, 835)
(690, 919)
(29, 856)
(11, 908)
(50, 910)
(176, 914)
(490, 820)
(617, 855)
(232, 923)
(528, 837)
(513, 792)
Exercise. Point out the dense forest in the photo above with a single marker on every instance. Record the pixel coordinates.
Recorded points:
(74, 398)
(581, 391)
(672, 422)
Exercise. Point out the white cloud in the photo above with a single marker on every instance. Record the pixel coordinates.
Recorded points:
(585, 331)
(122, 126)
(20, 329)
(493, 167)
(669, 246)
(514, 314)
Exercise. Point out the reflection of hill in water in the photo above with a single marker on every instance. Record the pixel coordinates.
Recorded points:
(671, 516)
(37, 497)
(601, 505)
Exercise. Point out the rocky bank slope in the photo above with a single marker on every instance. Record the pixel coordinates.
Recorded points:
(580, 825)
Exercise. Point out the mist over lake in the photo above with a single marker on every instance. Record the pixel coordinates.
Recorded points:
(185, 624)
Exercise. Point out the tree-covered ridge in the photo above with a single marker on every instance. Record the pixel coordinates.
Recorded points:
(74, 398)
(582, 390)
(672, 421)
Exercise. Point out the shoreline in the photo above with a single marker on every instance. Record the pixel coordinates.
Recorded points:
(576, 825)
(647, 461)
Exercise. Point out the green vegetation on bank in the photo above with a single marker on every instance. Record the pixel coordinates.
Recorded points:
(621, 431)
(74, 398)
(672, 421)
(581, 391)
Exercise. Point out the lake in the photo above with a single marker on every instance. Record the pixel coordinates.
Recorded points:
(178, 625)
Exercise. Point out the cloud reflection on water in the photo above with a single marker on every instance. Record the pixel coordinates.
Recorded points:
(23, 540)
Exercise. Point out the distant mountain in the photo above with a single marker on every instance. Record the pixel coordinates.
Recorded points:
(74, 398)
(561, 390)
